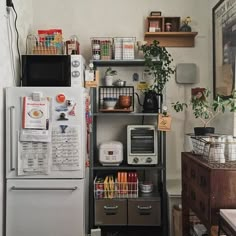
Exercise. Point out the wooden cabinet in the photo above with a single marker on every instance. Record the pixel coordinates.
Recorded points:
(166, 31)
(205, 190)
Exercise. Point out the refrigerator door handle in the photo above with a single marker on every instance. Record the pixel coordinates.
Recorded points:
(44, 188)
(12, 138)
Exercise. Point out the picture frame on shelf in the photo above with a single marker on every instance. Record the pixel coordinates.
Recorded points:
(224, 47)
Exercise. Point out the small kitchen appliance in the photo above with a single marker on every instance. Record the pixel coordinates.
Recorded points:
(152, 102)
(53, 70)
(111, 153)
(142, 145)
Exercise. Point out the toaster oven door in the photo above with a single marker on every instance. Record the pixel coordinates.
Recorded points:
(142, 141)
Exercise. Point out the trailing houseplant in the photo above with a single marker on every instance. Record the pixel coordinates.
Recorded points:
(158, 64)
(157, 61)
(206, 109)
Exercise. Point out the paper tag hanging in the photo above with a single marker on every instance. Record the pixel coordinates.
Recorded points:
(164, 122)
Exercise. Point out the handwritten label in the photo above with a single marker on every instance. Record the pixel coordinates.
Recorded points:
(164, 122)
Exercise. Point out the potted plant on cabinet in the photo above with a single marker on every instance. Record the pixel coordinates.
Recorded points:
(109, 73)
(205, 109)
(158, 65)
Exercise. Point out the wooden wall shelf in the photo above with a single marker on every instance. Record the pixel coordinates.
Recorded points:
(172, 39)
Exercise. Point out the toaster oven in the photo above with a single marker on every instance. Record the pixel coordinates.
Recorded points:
(142, 145)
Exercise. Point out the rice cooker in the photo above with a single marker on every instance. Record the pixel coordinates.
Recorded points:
(111, 153)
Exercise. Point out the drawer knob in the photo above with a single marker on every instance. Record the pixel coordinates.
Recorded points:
(193, 195)
(144, 207)
(110, 207)
(193, 174)
(145, 210)
(202, 181)
(202, 206)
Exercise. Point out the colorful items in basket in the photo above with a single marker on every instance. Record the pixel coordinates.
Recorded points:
(49, 42)
(127, 184)
(101, 48)
(124, 185)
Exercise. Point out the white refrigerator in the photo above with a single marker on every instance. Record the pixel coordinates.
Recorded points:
(45, 161)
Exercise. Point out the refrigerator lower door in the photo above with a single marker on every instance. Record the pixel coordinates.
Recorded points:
(45, 208)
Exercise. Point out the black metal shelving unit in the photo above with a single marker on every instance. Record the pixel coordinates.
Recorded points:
(123, 63)
(96, 168)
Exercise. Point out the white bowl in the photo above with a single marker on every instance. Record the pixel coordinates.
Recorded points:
(109, 104)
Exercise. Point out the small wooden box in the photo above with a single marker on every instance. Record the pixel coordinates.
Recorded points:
(175, 23)
(158, 23)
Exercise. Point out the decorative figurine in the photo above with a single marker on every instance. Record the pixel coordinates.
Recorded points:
(185, 27)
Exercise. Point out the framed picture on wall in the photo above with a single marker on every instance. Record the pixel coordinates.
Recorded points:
(224, 47)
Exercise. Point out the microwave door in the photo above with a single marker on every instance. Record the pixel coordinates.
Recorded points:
(46, 70)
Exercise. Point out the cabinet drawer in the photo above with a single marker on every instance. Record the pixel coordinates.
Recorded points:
(185, 168)
(193, 173)
(203, 206)
(199, 202)
(203, 179)
(144, 212)
(111, 212)
(185, 188)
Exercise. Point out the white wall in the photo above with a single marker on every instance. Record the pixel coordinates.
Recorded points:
(8, 51)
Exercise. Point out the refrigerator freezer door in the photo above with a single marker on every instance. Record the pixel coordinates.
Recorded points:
(74, 102)
(45, 207)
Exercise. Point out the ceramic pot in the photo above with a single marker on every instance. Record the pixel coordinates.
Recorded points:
(185, 28)
(124, 101)
(202, 131)
(108, 80)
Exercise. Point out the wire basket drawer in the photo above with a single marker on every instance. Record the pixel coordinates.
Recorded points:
(124, 48)
(101, 48)
(47, 45)
(217, 151)
(110, 188)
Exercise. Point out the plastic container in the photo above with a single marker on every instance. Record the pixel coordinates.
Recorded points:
(146, 187)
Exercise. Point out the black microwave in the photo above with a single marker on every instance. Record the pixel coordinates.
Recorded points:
(53, 70)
